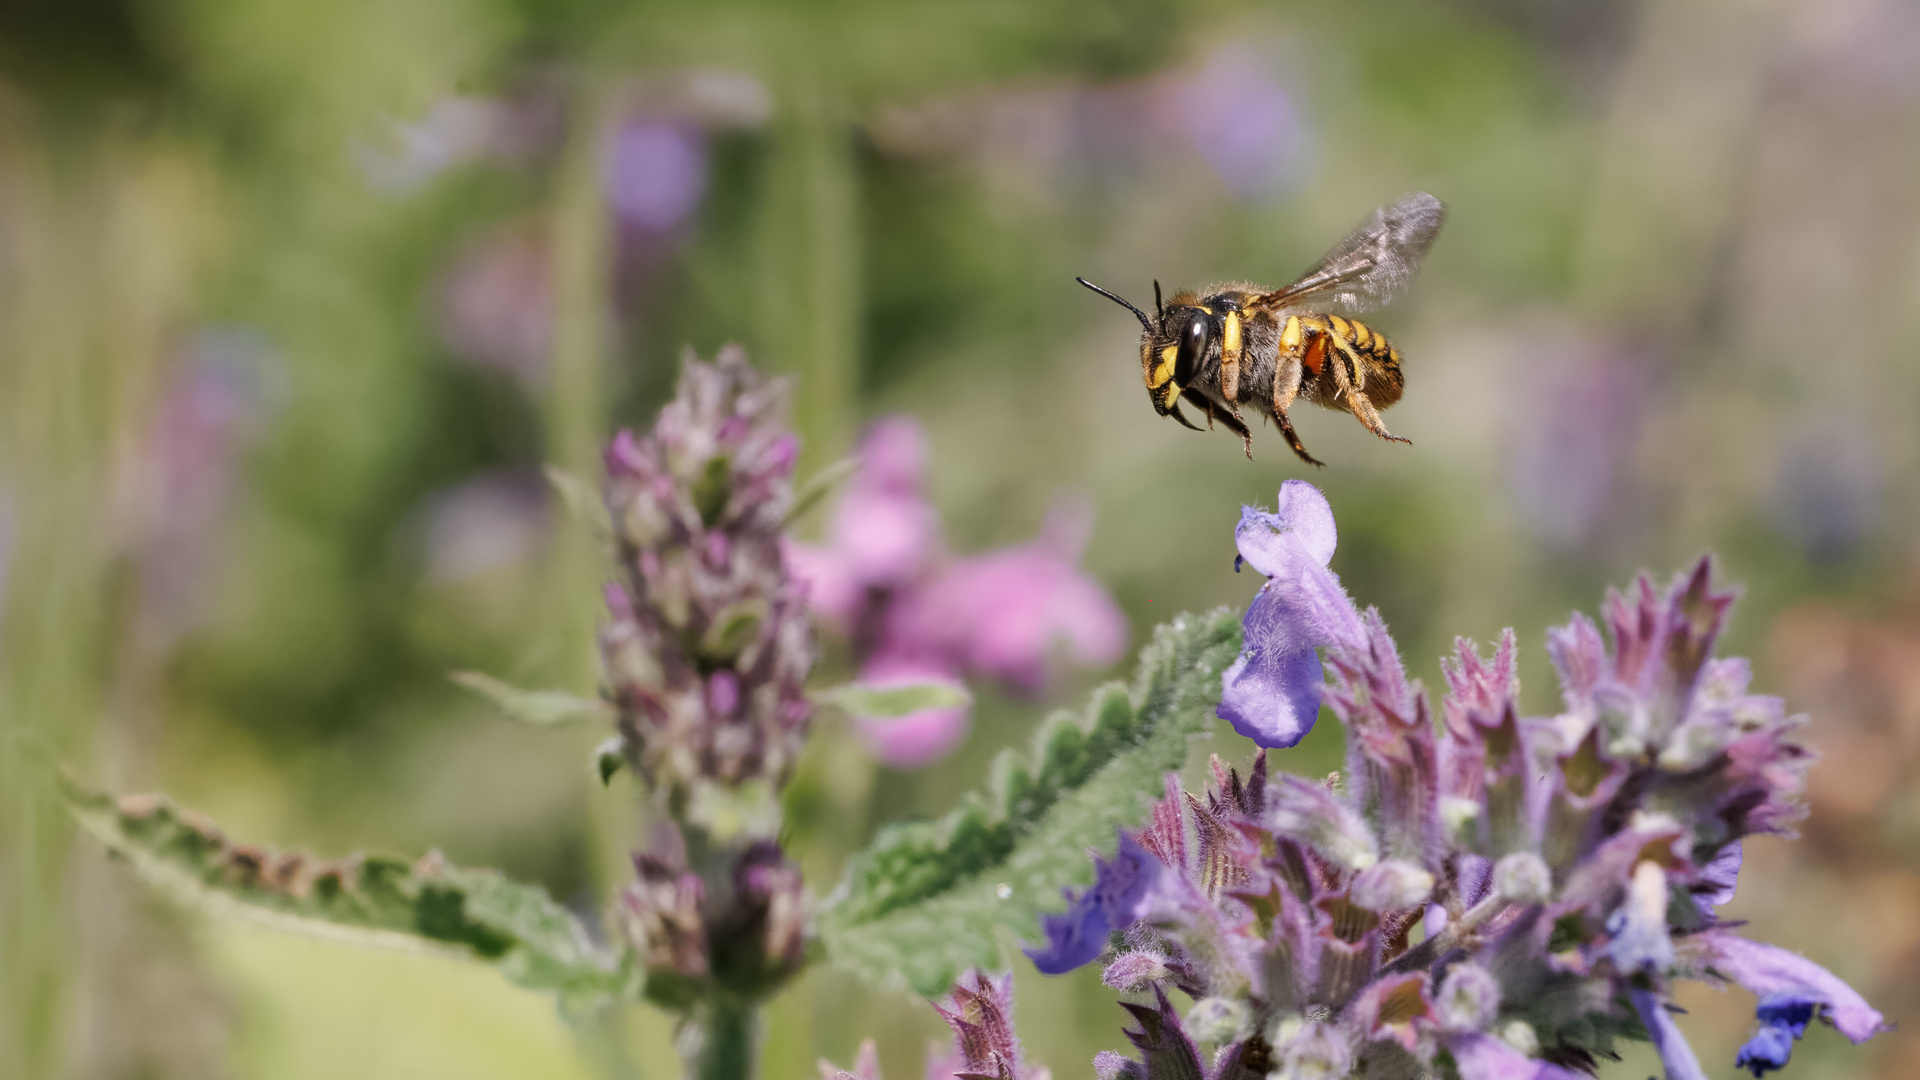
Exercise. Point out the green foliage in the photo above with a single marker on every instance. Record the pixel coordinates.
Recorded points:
(923, 903)
(539, 708)
(367, 899)
(886, 702)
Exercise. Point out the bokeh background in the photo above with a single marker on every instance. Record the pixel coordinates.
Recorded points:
(297, 296)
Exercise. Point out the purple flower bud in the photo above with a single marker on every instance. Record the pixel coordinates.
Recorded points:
(980, 1012)
(1132, 972)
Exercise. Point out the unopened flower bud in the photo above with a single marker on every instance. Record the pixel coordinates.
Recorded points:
(1131, 972)
(1314, 1050)
(1392, 885)
(1523, 878)
(1219, 1020)
(1468, 998)
(1519, 1035)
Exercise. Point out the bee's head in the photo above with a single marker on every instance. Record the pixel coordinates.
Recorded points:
(1172, 345)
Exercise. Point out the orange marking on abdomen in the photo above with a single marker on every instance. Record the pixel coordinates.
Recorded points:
(1316, 355)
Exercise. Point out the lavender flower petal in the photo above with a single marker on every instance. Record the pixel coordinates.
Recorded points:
(1121, 891)
(1272, 692)
(1301, 525)
(1483, 1057)
(1675, 1054)
(1768, 970)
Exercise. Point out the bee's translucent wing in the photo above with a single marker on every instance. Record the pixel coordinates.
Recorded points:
(1373, 263)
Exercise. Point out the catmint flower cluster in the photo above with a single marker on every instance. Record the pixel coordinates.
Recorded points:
(1478, 894)
(706, 654)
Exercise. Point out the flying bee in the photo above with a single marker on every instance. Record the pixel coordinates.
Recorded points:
(1239, 343)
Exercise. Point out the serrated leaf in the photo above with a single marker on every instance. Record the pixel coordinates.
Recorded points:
(426, 904)
(884, 702)
(926, 900)
(539, 708)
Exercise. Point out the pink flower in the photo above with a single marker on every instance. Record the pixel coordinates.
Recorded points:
(913, 615)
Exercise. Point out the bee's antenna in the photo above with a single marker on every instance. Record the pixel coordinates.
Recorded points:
(1141, 315)
(1158, 308)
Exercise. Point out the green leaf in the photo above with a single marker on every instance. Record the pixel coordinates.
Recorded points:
(540, 708)
(819, 485)
(582, 501)
(426, 904)
(927, 899)
(900, 699)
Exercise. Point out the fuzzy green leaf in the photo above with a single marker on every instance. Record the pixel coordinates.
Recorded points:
(887, 702)
(926, 900)
(538, 708)
(425, 904)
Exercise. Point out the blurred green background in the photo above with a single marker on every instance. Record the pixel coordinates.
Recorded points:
(296, 296)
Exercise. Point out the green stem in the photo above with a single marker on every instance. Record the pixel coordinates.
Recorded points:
(729, 1041)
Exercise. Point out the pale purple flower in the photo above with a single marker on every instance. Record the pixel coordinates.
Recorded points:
(492, 521)
(1575, 443)
(1827, 486)
(1244, 123)
(1271, 693)
(655, 171)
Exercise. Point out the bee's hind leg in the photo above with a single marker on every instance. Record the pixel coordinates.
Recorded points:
(1293, 440)
(1347, 371)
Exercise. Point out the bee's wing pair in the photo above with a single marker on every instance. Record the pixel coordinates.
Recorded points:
(1374, 262)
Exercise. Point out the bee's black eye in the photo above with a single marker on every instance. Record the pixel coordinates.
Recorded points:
(1193, 349)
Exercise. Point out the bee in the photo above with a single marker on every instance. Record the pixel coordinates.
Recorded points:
(1239, 343)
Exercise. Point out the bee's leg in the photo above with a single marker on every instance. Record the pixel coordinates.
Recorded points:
(1287, 375)
(1349, 372)
(1230, 360)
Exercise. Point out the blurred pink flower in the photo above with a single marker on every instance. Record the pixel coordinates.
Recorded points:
(913, 615)
(496, 301)
(1004, 613)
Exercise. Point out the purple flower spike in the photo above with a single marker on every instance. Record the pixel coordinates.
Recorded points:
(1272, 693)
(1116, 900)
